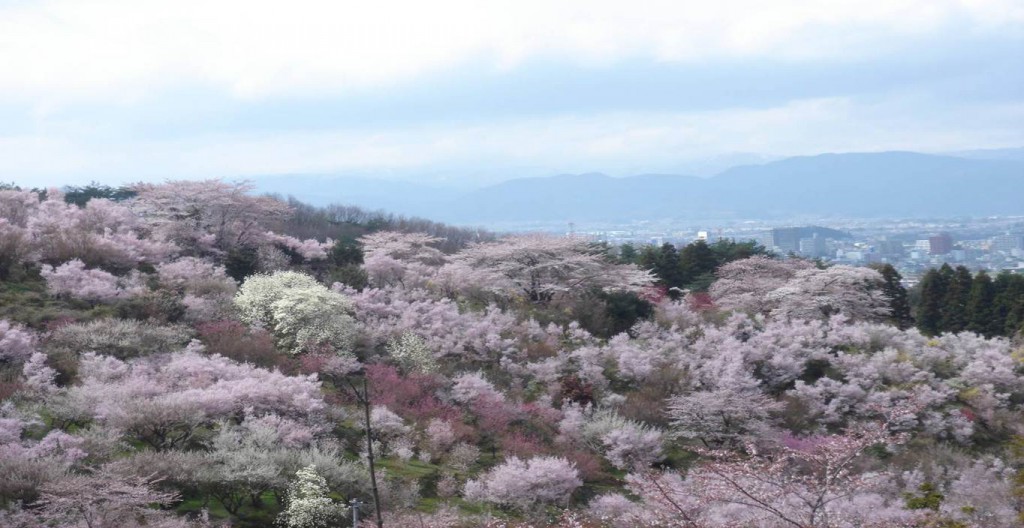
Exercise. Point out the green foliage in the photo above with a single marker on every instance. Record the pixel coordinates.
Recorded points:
(159, 305)
(928, 498)
(352, 275)
(241, 262)
(930, 303)
(604, 314)
(27, 301)
(899, 302)
(628, 254)
(958, 292)
(693, 267)
(81, 195)
(697, 262)
(951, 300)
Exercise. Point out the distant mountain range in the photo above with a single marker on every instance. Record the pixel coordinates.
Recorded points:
(887, 184)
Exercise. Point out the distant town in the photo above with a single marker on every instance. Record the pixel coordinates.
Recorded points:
(994, 244)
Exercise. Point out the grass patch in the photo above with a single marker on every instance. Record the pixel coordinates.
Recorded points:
(28, 302)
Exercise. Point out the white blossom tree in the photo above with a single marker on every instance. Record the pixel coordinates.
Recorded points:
(308, 504)
(303, 314)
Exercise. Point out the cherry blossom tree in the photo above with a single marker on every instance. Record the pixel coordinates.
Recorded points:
(392, 257)
(627, 444)
(102, 234)
(15, 246)
(447, 331)
(727, 407)
(195, 276)
(804, 483)
(310, 249)
(120, 338)
(743, 285)
(524, 484)
(162, 401)
(102, 500)
(17, 343)
(29, 459)
(812, 294)
(541, 268)
(208, 215)
(72, 279)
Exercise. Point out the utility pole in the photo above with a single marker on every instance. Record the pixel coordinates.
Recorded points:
(354, 504)
(364, 399)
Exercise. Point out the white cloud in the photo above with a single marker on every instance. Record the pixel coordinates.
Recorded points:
(619, 143)
(65, 50)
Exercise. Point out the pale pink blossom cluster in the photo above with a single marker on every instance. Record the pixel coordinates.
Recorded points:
(310, 249)
(163, 399)
(73, 279)
(525, 484)
(17, 343)
(795, 289)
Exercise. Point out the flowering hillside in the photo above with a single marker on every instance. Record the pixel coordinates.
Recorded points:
(189, 354)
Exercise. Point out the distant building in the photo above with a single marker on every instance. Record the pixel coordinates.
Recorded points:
(813, 247)
(785, 240)
(1007, 243)
(891, 248)
(940, 244)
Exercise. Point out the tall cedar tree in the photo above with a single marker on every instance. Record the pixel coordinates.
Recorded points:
(664, 262)
(899, 304)
(628, 254)
(958, 293)
(1009, 302)
(697, 264)
(981, 314)
(929, 308)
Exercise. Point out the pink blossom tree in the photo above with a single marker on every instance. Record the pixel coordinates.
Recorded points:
(208, 215)
(526, 484)
(854, 292)
(102, 500)
(73, 279)
(392, 257)
(541, 268)
(162, 401)
(743, 285)
(17, 343)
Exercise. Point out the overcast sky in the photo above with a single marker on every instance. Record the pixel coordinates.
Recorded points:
(120, 91)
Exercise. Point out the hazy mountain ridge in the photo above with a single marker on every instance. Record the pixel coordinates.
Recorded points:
(899, 184)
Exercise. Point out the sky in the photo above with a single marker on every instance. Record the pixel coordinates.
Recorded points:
(468, 92)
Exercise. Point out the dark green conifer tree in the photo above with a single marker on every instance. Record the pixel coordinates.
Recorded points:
(697, 265)
(929, 307)
(899, 303)
(628, 254)
(981, 313)
(954, 306)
